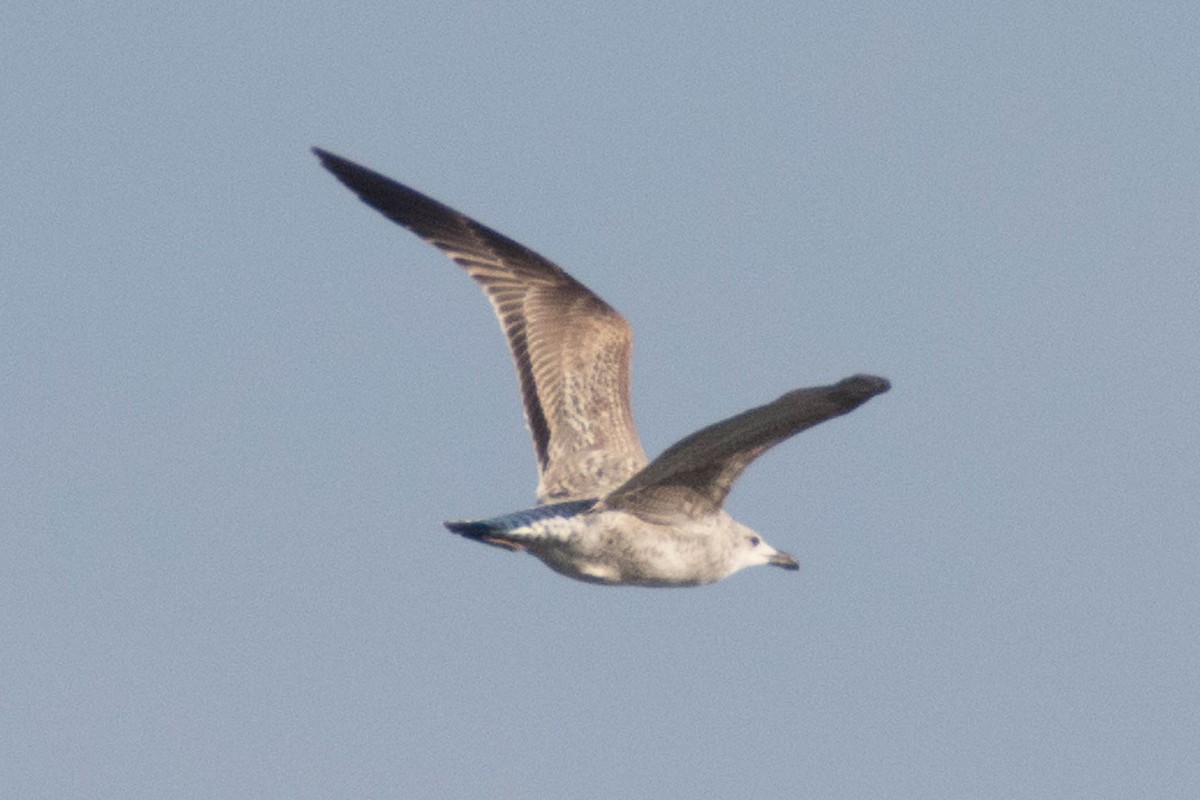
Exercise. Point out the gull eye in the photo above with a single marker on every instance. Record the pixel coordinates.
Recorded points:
(754, 541)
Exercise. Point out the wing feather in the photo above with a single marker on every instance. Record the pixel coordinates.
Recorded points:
(570, 348)
(693, 476)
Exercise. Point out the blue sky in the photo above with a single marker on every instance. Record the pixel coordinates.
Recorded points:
(237, 404)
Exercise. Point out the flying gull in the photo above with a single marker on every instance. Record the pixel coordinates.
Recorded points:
(605, 514)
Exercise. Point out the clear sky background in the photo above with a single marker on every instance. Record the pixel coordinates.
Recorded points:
(236, 404)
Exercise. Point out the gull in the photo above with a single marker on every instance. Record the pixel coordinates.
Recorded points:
(605, 514)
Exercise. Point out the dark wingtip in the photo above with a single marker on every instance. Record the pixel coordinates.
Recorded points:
(394, 200)
(850, 393)
(336, 164)
(865, 385)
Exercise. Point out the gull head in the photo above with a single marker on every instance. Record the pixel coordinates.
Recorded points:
(751, 550)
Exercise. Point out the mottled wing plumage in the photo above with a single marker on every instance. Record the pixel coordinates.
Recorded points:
(693, 477)
(570, 348)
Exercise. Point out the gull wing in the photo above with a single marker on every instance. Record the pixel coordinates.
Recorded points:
(570, 348)
(693, 476)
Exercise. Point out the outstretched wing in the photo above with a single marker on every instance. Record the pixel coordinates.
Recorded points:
(571, 349)
(693, 477)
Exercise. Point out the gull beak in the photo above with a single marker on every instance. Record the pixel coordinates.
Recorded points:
(785, 560)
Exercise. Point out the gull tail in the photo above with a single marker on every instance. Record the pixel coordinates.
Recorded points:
(513, 531)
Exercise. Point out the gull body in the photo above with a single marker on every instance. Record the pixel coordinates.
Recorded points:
(590, 543)
(605, 513)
